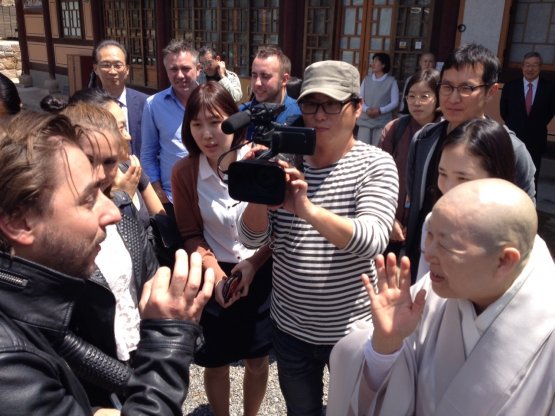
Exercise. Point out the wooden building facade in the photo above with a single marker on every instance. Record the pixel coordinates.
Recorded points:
(57, 36)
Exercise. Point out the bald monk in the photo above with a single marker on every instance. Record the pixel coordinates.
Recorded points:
(476, 335)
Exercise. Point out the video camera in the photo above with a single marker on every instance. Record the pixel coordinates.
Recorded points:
(262, 180)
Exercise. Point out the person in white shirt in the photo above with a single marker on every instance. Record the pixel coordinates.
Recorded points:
(236, 327)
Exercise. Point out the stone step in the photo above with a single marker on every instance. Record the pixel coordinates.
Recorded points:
(31, 96)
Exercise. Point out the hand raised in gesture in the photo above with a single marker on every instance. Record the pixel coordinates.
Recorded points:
(395, 314)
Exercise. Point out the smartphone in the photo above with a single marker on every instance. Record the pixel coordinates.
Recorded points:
(230, 285)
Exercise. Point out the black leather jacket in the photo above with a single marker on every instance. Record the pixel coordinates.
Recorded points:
(36, 305)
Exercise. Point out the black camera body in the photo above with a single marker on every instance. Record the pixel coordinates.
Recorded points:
(261, 180)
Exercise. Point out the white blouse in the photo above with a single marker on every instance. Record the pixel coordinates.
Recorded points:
(220, 214)
(114, 261)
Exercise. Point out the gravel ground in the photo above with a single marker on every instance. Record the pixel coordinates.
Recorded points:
(196, 403)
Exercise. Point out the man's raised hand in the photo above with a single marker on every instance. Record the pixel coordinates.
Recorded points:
(178, 295)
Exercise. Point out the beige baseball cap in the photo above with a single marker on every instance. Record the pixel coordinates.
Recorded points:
(336, 79)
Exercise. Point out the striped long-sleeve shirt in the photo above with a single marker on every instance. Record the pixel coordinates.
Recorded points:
(317, 291)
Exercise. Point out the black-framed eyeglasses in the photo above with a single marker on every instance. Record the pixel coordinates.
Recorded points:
(106, 66)
(463, 90)
(329, 107)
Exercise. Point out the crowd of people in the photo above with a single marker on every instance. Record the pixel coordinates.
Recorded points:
(403, 255)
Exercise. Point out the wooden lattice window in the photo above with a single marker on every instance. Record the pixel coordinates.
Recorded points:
(70, 18)
(205, 22)
(234, 28)
(132, 23)
(381, 32)
(264, 23)
(234, 45)
(351, 40)
(182, 19)
(414, 22)
(532, 28)
(319, 22)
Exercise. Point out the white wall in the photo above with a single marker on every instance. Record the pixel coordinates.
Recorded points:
(483, 19)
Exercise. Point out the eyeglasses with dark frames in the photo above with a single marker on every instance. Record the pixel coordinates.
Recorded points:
(463, 90)
(329, 107)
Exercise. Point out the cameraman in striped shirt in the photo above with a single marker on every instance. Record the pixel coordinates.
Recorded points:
(336, 217)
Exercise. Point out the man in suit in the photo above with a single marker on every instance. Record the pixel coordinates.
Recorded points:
(111, 66)
(527, 107)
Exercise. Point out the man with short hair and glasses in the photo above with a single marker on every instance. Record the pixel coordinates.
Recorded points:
(214, 69)
(528, 105)
(111, 67)
(468, 84)
(336, 217)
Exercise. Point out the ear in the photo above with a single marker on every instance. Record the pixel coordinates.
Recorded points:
(509, 259)
(358, 108)
(285, 79)
(18, 229)
(96, 70)
(218, 58)
(492, 91)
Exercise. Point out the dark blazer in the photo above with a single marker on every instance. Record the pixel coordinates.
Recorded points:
(135, 103)
(532, 128)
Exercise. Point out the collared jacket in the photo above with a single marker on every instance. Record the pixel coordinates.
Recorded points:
(36, 305)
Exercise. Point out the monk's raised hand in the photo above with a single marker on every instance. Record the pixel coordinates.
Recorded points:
(395, 314)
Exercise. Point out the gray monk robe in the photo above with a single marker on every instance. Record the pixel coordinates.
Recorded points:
(510, 370)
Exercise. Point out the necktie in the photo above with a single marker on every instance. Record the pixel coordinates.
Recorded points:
(529, 98)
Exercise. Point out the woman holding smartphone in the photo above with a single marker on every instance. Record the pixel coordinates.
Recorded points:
(236, 327)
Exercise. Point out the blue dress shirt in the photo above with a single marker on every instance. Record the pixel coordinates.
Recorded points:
(161, 144)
